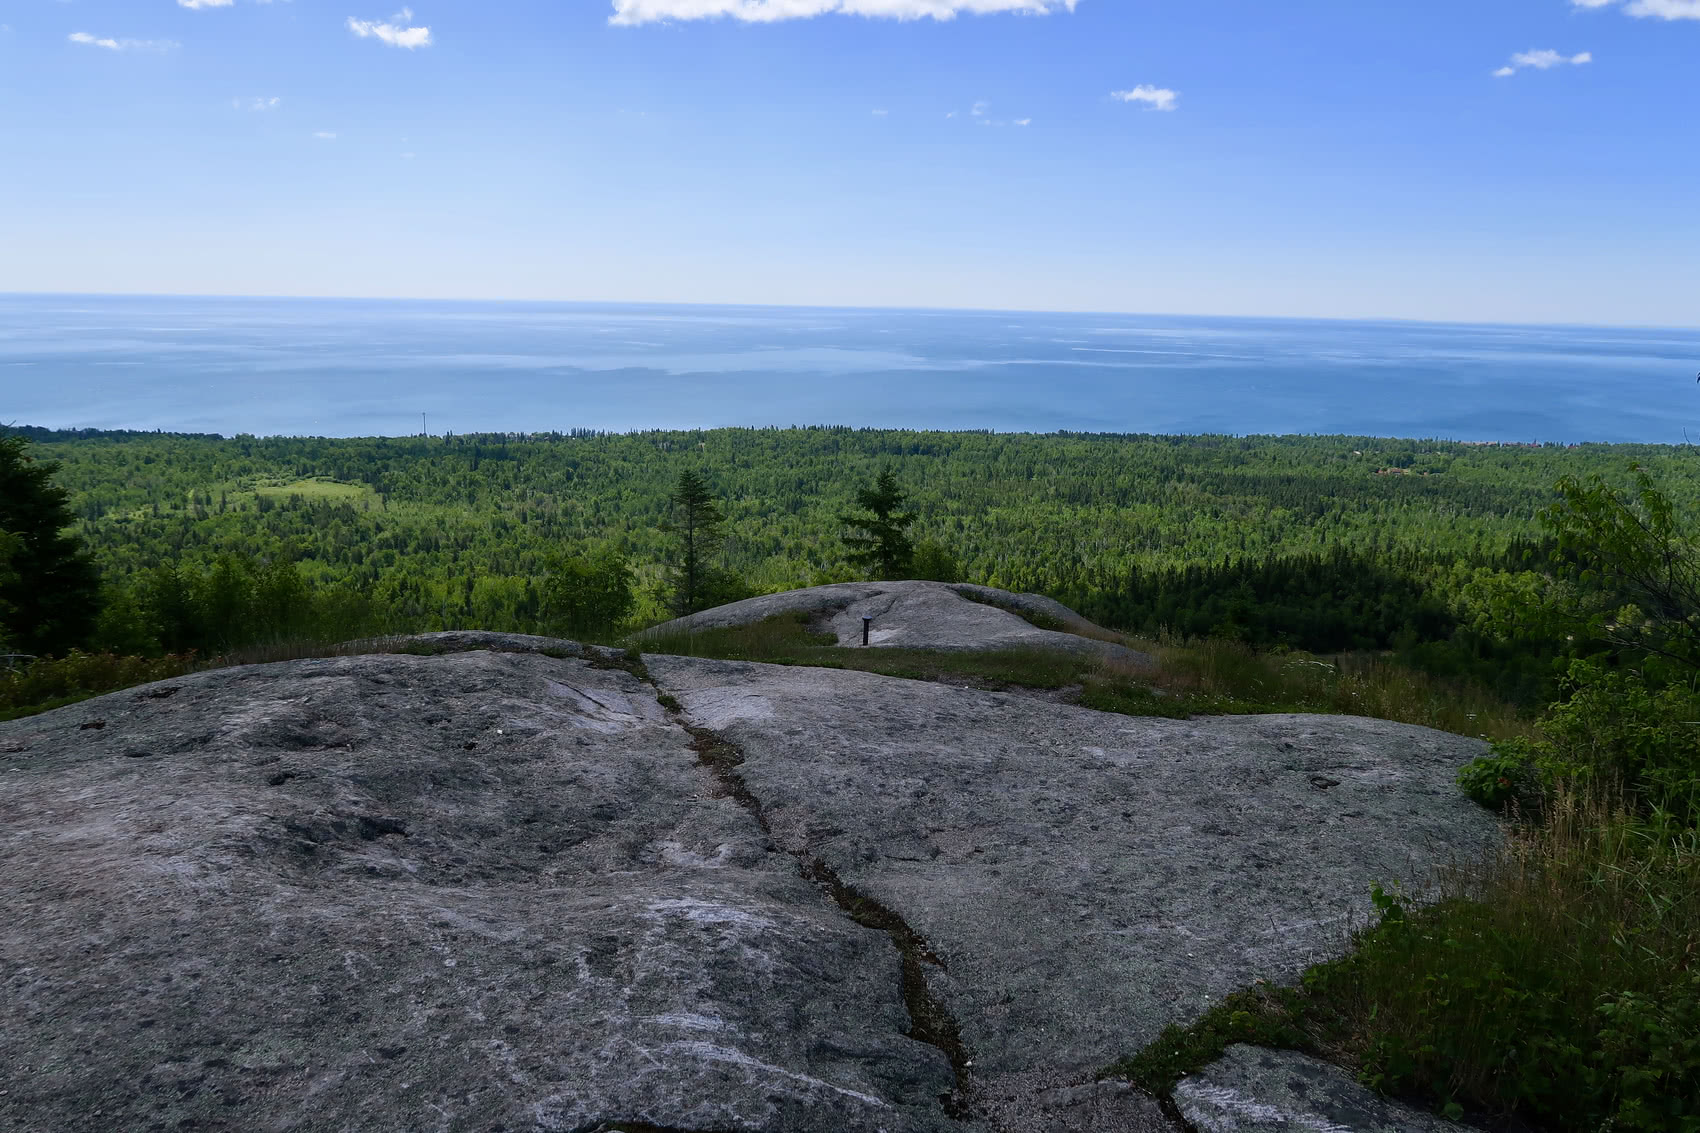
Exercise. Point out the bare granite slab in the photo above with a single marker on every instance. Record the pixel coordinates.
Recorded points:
(918, 615)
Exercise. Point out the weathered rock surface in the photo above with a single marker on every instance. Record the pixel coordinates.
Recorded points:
(1251, 1090)
(1087, 878)
(917, 615)
(507, 890)
(476, 891)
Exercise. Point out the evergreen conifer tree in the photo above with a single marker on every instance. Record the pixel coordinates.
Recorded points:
(878, 542)
(50, 588)
(695, 523)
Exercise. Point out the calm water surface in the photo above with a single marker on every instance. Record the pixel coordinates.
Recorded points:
(347, 368)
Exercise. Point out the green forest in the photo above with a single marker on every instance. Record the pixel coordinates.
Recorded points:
(1544, 598)
(1317, 543)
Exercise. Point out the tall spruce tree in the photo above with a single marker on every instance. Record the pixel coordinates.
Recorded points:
(50, 589)
(695, 524)
(877, 542)
(9, 545)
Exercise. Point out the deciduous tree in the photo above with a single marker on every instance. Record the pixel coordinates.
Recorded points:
(1636, 565)
(587, 594)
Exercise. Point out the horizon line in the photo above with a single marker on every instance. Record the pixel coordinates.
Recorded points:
(582, 433)
(697, 303)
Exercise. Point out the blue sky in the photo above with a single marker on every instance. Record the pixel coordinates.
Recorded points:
(1349, 158)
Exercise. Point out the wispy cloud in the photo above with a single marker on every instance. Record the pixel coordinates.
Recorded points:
(1155, 98)
(257, 104)
(111, 44)
(1648, 9)
(324, 135)
(981, 115)
(1544, 59)
(393, 31)
(205, 3)
(631, 12)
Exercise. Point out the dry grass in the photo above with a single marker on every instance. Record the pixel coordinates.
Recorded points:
(1229, 677)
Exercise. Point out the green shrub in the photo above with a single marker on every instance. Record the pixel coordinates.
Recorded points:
(1555, 983)
(52, 683)
(1505, 780)
(1613, 732)
(1551, 984)
(1649, 1057)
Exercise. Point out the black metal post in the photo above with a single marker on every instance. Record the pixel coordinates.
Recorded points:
(866, 622)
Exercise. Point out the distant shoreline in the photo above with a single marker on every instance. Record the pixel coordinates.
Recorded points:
(50, 435)
(302, 368)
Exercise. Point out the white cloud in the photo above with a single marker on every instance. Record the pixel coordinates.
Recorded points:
(205, 3)
(1024, 121)
(1157, 98)
(1666, 9)
(630, 12)
(111, 44)
(1541, 60)
(1642, 9)
(324, 135)
(881, 113)
(256, 103)
(393, 31)
(980, 109)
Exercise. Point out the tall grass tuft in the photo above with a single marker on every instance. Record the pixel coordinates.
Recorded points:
(1559, 979)
(1553, 982)
(1216, 676)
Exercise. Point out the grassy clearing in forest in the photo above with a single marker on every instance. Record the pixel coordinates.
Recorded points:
(335, 491)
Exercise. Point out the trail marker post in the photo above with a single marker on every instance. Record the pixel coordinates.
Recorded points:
(866, 622)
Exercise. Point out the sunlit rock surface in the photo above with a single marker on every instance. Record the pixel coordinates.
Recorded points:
(501, 888)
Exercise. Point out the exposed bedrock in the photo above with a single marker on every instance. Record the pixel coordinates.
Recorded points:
(1087, 878)
(477, 891)
(918, 615)
(1250, 1090)
(508, 890)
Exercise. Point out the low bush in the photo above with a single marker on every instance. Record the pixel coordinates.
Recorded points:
(55, 682)
(1508, 780)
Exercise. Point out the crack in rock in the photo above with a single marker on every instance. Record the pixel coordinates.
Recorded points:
(638, 1127)
(930, 1021)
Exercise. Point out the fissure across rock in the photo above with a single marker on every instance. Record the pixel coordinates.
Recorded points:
(930, 1021)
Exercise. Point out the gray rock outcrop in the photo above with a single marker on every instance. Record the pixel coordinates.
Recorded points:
(472, 891)
(1251, 1090)
(508, 889)
(919, 615)
(1086, 878)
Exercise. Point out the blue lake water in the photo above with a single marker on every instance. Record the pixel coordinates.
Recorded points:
(352, 367)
